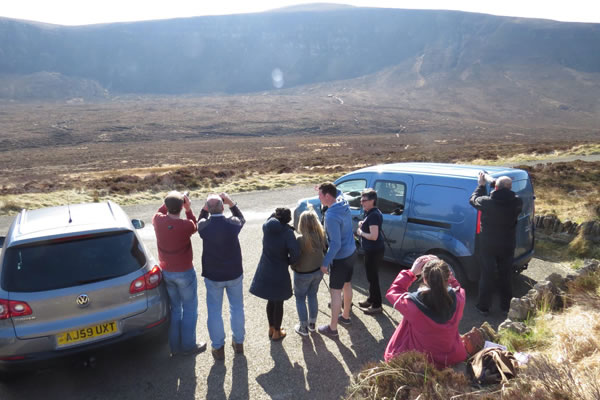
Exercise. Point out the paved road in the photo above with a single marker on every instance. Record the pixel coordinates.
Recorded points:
(296, 368)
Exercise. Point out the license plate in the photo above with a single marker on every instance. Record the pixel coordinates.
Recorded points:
(85, 334)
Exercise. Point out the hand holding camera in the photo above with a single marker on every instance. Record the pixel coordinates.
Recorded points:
(187, 204)
(420, 262)
(226, 199)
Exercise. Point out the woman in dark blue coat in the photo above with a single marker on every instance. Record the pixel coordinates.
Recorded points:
(272, 278)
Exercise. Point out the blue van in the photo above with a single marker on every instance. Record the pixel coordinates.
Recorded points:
(426, 210)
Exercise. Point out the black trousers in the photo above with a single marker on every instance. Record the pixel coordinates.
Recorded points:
(373, 259)
(496, 273)
(275, 313)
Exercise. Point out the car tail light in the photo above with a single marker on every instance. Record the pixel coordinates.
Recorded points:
(478, 229)
(13, 308)
(149, 280)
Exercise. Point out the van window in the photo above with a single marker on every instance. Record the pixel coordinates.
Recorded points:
(352, 191)
(440, 203)
(59, 263)
(390, 196)
(524, 190)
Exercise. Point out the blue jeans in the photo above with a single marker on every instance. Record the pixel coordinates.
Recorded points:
(214, 306)
(307, 286)
(182, 288)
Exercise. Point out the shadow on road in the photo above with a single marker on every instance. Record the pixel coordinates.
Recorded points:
(284, 380)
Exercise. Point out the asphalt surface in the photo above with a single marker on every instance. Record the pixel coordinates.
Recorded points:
(313, 367)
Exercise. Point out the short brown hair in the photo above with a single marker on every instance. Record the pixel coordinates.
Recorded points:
(328, 188)
(174, 202)
(370, 194)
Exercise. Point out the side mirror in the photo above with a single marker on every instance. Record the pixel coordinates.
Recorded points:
(138, 223)
(2, 240)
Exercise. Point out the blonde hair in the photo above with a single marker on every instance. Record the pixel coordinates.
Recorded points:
(312, 231)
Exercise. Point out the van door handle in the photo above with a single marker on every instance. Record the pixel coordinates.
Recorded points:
(390, 241)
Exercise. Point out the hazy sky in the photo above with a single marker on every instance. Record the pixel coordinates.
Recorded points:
(81, 12)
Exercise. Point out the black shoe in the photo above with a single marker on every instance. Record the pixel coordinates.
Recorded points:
(485, 313)
(345, 321)
(371, 310)
(197, 349)
(364, 304)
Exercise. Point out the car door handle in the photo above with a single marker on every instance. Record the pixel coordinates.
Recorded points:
(390, 241)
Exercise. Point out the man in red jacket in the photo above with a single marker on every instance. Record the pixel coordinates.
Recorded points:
(175, 254)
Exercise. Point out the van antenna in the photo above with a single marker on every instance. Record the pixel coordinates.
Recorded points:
(69, 209)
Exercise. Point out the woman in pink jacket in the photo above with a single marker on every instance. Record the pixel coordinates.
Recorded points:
(430, 315)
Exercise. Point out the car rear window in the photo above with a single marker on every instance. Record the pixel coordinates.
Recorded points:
(70, 262)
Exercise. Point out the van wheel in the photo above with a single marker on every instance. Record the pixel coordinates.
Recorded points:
(456, 269)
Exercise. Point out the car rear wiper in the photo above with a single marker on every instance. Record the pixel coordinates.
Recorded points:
(103, 278)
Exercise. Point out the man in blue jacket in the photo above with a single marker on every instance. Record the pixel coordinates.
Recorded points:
(340, 257)
(222, 270)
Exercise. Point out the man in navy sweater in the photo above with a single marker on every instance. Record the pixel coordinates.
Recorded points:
(222, 270)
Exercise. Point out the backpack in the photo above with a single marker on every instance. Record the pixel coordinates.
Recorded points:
(492, 365)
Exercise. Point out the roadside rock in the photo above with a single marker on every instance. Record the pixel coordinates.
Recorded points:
(589, 266)
(557, 280)
(489, 333)
(517, 327)
(521, 308)
(546, 295)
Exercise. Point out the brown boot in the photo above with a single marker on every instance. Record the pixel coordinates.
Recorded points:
(238, 348)
(278, 334)
(271, 330)
(219, 354)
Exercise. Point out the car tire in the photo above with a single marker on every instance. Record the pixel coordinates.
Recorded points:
(456, 268)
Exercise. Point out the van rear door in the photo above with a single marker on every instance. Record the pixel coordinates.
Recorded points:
(525, 226)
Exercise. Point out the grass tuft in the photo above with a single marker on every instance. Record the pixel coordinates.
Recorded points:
(407, 372)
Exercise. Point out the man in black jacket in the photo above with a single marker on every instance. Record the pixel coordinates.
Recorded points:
(499, 214)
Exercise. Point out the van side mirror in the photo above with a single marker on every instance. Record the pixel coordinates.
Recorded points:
(2, 240)
(138, 223)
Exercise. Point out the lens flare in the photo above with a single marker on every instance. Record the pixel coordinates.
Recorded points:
(277, 78)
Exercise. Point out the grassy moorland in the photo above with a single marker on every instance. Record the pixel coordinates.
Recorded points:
(134, 149)
(567, 189)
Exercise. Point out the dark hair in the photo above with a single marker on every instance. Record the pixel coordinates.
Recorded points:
(370, 194)
(284, 215)
(174, 202)
(328, 188)
(436, 274)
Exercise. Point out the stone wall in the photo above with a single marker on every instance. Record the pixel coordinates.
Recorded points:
(551, 228)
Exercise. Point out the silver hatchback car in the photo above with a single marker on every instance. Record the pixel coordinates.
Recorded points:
(73, 278)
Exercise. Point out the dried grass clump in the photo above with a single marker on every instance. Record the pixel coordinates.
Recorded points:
(10, 206)
(546, 379)
(407, 375)
(569, 367)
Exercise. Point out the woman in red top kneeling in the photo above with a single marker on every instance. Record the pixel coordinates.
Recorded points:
(430, 315)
